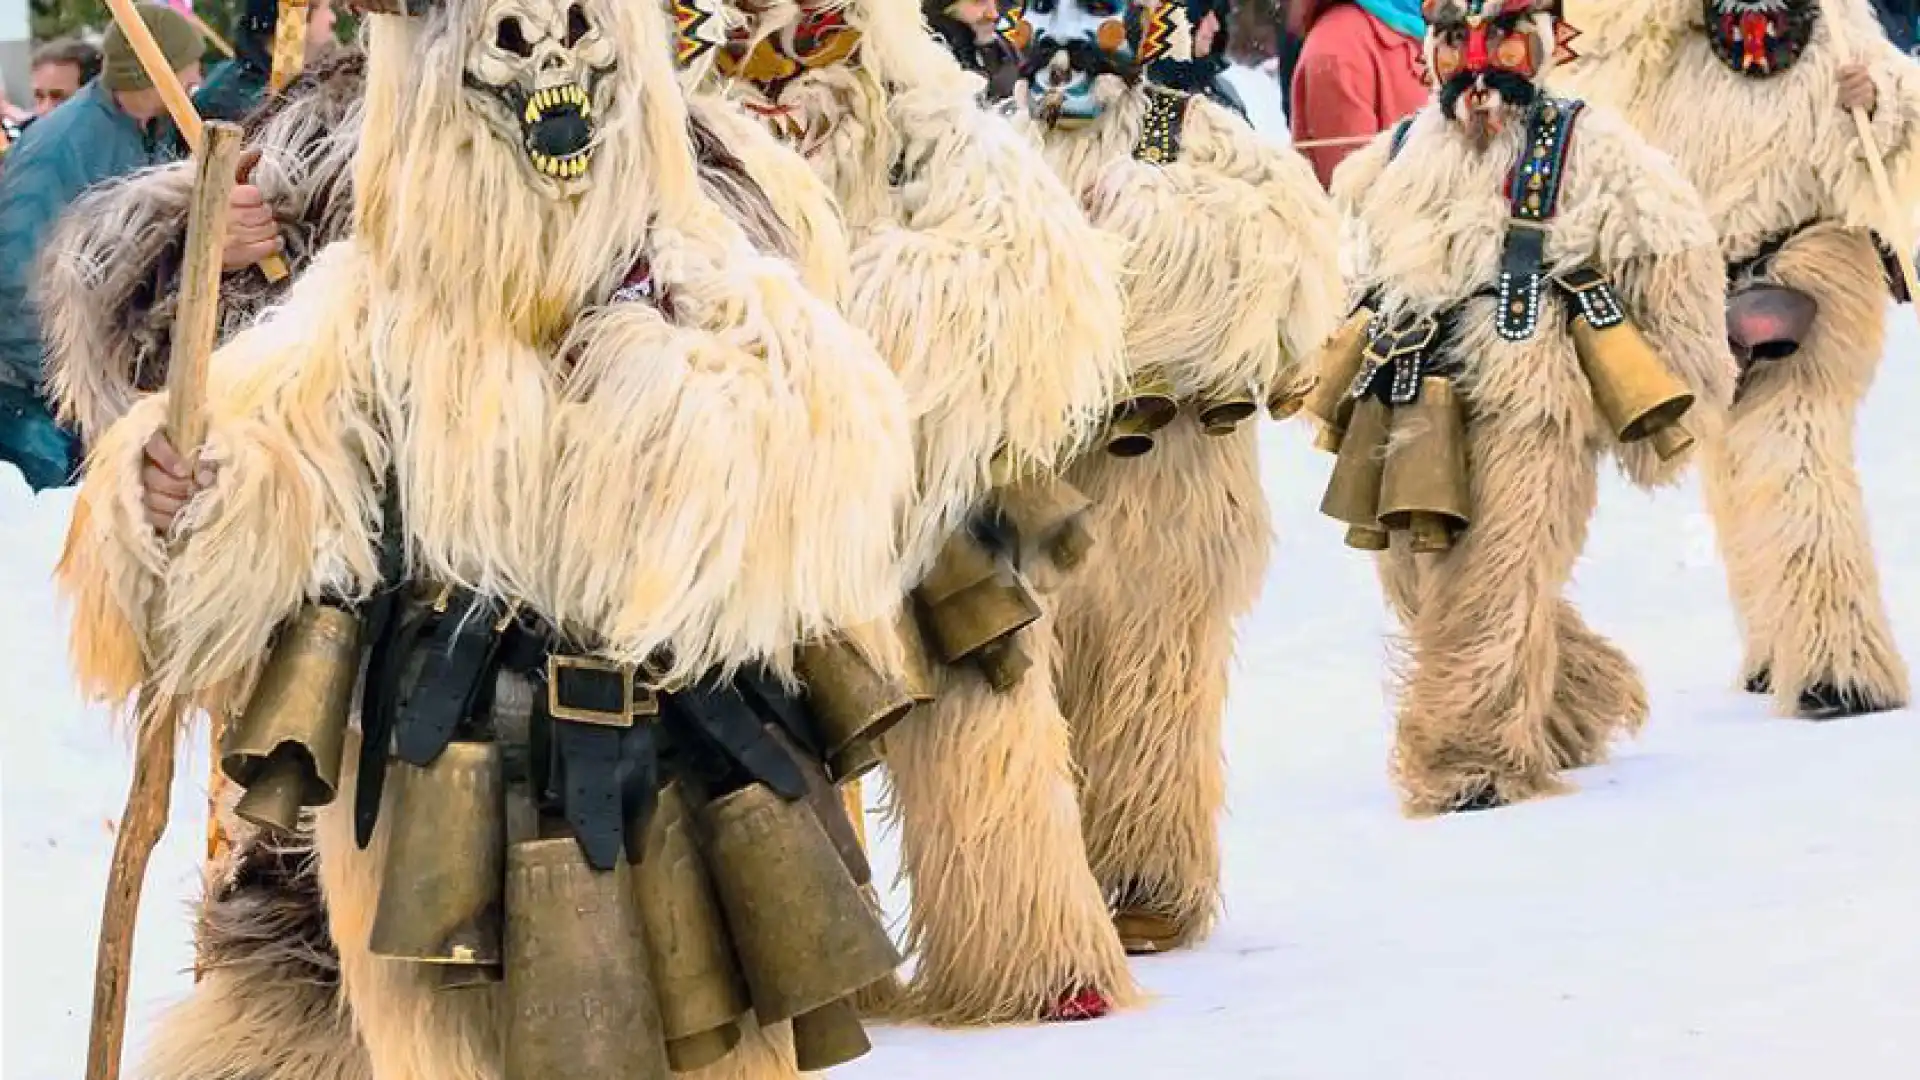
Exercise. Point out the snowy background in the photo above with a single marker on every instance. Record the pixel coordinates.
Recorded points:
(1732, 898)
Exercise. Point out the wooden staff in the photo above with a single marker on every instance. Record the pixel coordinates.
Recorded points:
(1339, 140)
(145, 818)
(1898, 222)
(289, 44)
(174, 96)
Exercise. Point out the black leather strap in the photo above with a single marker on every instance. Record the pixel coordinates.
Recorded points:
(719, 716)
(456, 660)
(378, 687)
(1533, 196)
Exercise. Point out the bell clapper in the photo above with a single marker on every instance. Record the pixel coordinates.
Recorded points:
(274, 798)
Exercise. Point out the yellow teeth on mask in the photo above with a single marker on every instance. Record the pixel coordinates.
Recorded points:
(571, 167)
(544, 101)
(553, 97)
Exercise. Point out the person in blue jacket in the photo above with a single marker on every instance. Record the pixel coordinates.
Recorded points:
(115, 125)
(1901, 19)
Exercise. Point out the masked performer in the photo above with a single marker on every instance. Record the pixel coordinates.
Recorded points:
(1232, 279)
(1537, 287)
(1780, 165)
(579, 461)
(999, 307)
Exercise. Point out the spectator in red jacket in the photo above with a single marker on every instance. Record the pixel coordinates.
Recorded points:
(1359, 72)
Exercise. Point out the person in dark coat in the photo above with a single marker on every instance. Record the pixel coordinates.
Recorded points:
(966, 28)
(1901, 20)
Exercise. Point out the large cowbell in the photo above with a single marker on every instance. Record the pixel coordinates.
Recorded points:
(285, 747)
(440, 900)
(805, 936)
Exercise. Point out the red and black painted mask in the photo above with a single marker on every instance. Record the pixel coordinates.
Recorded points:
(1487, 57)
(1760, 38)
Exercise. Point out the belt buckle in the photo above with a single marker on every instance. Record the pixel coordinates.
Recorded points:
(630, 705)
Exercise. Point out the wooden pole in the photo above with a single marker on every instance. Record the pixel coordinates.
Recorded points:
(145, 819)
(1899, 221)
(289, 44)
(179, 106)
(1341, 140)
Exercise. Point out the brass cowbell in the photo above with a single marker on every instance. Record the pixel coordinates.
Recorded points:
(702, 993)
(805, 935)
(972, 604)
(854, 700)
(1223, 415)
(1423, 486)
(1339, 364)
(1149, 406)
(580, 999)
(1353, 491)
(440, 900)
(828, 1036)
(1632, 388)
(285, 748)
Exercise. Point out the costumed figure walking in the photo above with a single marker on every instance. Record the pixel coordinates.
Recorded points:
(1232, 282)
(999, 307)
(558, 465)
(1537, 287)
(1781, 166)
(113, 277)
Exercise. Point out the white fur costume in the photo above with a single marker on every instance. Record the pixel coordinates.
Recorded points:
(999, 308)
(1778, 156)
(1503, 685)
(1232, 283)
(719, 476)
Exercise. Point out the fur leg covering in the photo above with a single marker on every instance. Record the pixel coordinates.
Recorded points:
(1006, 917)
(1146, 640)
(1485, 669)
(268, 1006)
(1597, 694)
(1785, 492)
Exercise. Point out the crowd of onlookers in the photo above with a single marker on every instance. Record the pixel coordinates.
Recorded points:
(59, 69)
(1347, 69)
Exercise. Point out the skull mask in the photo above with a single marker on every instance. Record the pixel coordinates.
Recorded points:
(537, 72)
(1080, 55)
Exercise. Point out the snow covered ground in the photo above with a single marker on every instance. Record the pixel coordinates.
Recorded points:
(1731, 898)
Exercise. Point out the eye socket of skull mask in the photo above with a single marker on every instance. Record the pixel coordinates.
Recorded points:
(537, 70)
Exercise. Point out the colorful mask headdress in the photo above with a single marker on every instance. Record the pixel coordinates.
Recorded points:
(1069, 45)
(1144, 34)
(1524, 38)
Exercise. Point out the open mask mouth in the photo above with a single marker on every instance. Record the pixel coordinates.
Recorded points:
(1061, 83)
(1482, 102)
(557, 129)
